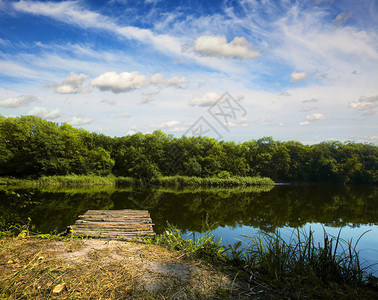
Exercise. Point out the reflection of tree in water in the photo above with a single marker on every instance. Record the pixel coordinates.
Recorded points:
(202, 209)
(283, 206)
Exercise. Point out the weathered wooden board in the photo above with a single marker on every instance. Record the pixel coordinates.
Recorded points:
(125, 224)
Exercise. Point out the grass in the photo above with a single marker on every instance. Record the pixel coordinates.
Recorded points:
(266, 266)
(182, 181)
(295, 269)
(95, 269)
(163, 181)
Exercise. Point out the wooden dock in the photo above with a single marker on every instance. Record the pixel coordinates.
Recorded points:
(125, 224)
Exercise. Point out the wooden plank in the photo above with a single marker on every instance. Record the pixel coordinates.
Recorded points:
(115, 219)
(115, 234)
(112, 223)
(122, 224)
(117, 212)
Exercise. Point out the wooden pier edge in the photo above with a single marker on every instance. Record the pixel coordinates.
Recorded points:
(124, 225)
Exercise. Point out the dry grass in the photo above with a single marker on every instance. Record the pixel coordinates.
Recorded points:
(98, 269)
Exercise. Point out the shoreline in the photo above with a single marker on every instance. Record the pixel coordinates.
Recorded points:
(162, 181)
(160, 268)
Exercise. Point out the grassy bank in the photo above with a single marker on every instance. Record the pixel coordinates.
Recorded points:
(32, 268)
(294, 269)
(171, 266)
(163, 181)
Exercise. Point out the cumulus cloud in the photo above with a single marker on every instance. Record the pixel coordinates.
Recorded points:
(45, 113)
(118, 83)
(206, 100)
(73, 84)
(157, 78)
(75, 121)
(365, 103)
(304, 123)
(316, 117)
(19, 101)
(297, 76)
(210, 45)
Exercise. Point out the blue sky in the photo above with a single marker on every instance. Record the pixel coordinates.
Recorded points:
(300, 70)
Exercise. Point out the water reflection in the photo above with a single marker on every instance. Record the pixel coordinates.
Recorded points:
(198, 210)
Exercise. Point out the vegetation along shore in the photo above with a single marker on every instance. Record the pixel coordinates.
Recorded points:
(31, 147)
(171, 266)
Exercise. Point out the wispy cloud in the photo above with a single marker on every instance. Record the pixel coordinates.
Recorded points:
(207, 99)
(316, 117)
(297, 76)
(123, 115)
(365, 104)
(19, 101)
(168, 124)
(77, 121)
(45, 113)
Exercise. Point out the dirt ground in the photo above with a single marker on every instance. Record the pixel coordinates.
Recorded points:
(98, 269)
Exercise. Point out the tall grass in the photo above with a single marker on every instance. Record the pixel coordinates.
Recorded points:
(182, 181)
(297, 268)
(163, 181)
(70, 180)
(301, 261)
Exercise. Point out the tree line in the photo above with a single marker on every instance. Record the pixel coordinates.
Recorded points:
(31, 146)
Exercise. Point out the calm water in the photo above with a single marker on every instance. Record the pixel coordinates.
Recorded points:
(228, 213)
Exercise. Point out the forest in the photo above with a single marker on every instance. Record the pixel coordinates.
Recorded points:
(32, 147)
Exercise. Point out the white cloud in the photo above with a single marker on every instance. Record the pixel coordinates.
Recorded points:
(123, 115)
(118, 83)
(206, 100)
(177, 81)
(157, 78)
(210, 45)
(297, 76)
(45, 113)
(168, 124)
(73, 84)
(75, 121)
(178, 129)
(341, 18)
(13, 102)
(230, 124)
(365, 103)
(316, 117)
(304, 123)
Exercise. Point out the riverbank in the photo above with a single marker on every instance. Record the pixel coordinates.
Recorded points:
(97, 269)
(171, 267)
(162, 181)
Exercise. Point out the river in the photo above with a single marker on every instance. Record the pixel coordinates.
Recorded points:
(227, 213)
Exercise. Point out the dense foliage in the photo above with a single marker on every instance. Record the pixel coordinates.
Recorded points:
(30, 146)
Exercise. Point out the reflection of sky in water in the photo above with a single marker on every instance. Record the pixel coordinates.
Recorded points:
(367, 245)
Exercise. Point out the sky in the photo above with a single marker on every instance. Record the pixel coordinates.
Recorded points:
(234, 70)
